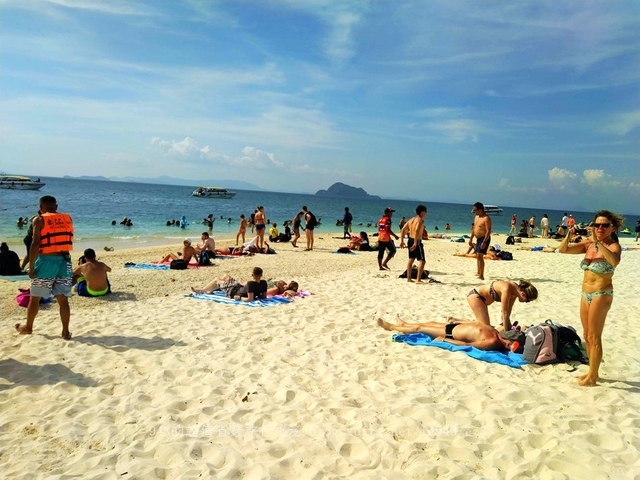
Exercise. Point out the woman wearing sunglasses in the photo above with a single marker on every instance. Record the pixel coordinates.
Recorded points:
(602, 256)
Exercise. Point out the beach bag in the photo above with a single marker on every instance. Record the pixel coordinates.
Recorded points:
(205, 258)
(22, 299)
(505, 255)
(541, 343)
(510, 240)
(569, 345)
(178, 264)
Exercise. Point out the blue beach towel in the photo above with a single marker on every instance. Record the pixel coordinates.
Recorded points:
(15, 278)
(220, 297)
(510, 359)
(148, 266)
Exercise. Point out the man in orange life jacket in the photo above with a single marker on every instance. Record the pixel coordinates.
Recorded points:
(50, 266)
(384, 238)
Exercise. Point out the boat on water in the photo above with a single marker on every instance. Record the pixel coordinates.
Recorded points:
(213, 192)
(19, 182)
(491, 210)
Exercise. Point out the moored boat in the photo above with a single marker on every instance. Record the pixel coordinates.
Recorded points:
(213, 192)
(19, 182)
(491, 209)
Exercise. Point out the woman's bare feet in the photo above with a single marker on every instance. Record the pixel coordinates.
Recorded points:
(385, 325)
(587, 380)
(23, 330)
(66, 334)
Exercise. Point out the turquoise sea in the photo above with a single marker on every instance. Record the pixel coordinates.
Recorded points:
(94, 204)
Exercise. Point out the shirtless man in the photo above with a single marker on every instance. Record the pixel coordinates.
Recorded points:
(208, 244)
(188, 252)
(482, 231)
(261, 226)
(474, 334)
(415, 229)
(91, 276)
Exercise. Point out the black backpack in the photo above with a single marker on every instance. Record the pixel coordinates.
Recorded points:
(510, 240)
(414, 273)
(205, 258)
(312, 220)
(179, 264)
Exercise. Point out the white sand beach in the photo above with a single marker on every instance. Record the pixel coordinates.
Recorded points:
(155, 384)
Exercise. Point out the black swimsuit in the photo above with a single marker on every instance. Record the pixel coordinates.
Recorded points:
(448, 330)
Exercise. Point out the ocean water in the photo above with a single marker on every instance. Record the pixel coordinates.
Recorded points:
(93, 205)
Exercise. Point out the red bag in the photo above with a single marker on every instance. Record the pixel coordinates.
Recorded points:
(23, 297)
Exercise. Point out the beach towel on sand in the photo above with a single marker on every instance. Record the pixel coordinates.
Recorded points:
(510, 359)
(15, 278)
(220, 297)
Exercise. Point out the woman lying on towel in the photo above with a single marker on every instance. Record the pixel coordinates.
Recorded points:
(254, 289)
(283, 288)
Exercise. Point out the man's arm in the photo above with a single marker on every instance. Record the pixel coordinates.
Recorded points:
(34, 251)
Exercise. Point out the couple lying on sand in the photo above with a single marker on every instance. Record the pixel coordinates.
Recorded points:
(256, 288)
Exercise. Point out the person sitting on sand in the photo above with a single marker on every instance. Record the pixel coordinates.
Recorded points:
(501, 291)
(208, 244)
(463, 333)
(91, 276)
(254, 289)
(188, 252)
(283, 288)
(9, 261)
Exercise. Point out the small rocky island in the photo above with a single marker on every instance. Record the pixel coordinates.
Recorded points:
(344, 191)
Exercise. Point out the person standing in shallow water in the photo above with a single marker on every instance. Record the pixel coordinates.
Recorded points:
(50, 266)
(602, 254)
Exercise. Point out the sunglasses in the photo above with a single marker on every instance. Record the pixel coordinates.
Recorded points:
(601, 225)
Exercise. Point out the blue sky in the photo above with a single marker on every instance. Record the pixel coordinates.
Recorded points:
(507, 102)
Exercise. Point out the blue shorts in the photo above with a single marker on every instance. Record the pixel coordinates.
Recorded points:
(479, 248)
(52, 276)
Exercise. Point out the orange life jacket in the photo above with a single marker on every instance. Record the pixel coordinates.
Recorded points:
(56, 234)
(384, 225)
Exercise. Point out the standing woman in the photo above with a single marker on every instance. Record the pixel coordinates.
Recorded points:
(602, 256)
(296, 228)
(544, 225)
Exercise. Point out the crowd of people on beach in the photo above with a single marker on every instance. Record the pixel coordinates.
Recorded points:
(49, 241)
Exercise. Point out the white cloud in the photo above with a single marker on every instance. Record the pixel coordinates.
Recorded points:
(563, 180)
(623, 123)
(599, 179)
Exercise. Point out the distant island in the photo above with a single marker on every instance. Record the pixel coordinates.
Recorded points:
(345, 191)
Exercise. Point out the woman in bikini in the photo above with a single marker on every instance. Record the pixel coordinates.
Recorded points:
(296, 228)
(602, 256)
(503, 292)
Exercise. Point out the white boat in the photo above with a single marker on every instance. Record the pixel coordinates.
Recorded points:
(18, 182)
(491, 209)
(213, 192)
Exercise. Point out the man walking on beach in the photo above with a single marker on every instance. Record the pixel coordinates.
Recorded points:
(565, 224)
(514, 223)
(50, 266)
(346, 223)
(482, 231)
(415, 228)
(384, 238)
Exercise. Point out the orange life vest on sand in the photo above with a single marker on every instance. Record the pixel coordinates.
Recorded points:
(57, 233)
(384, 225)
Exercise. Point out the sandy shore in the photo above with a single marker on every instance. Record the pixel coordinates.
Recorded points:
(158, 385)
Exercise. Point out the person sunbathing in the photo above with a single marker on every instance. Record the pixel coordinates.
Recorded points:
(256, 288)
(230, 250)
(490, 255)
(463, 333)
(283, 288)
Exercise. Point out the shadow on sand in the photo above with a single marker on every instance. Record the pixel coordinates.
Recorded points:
(24, 374)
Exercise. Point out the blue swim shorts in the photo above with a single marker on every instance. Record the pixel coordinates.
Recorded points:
(52, 276)
(479, 248)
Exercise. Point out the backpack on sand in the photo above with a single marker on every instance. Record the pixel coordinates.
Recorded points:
(178, 264)
(551, 343)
